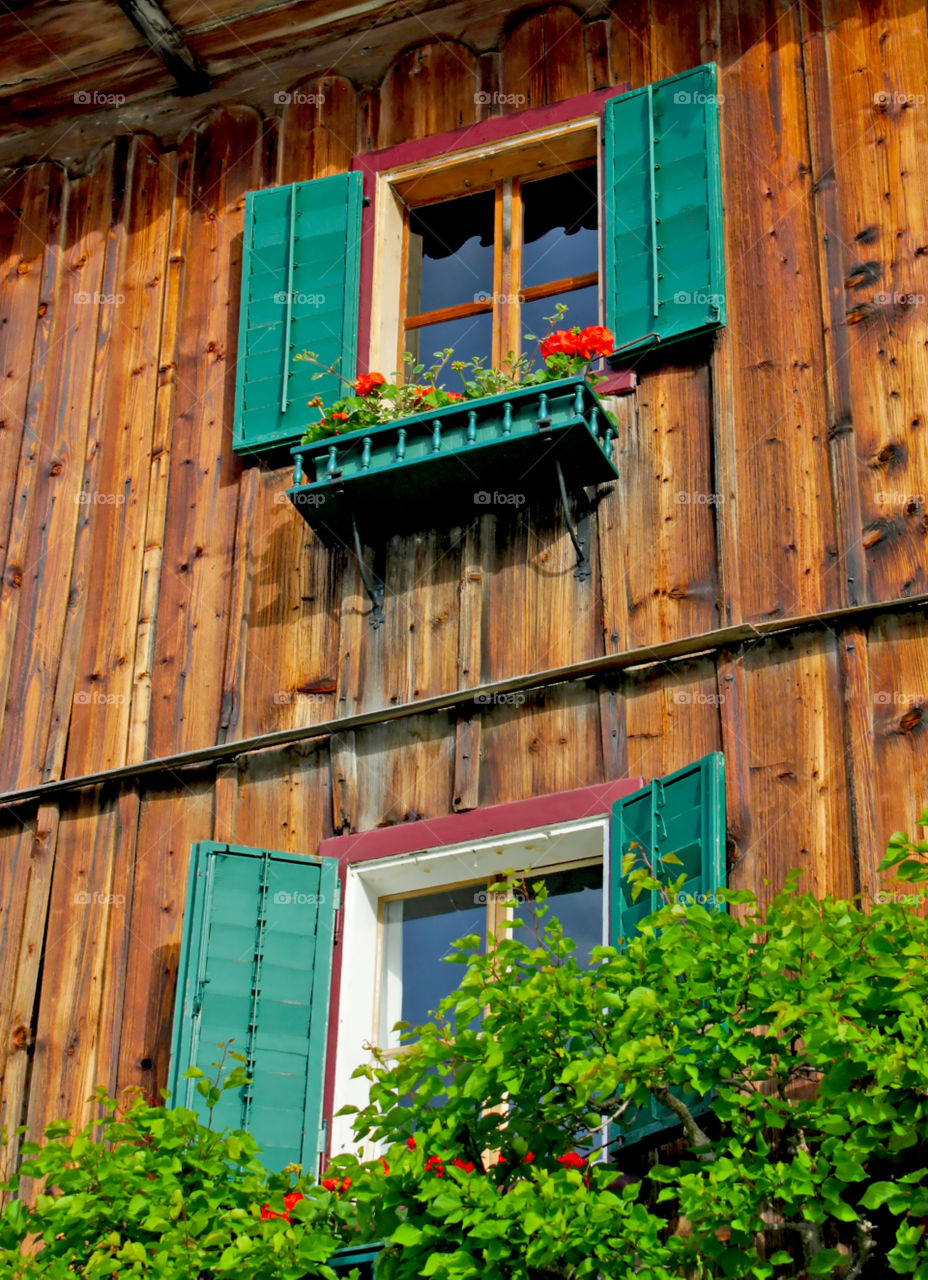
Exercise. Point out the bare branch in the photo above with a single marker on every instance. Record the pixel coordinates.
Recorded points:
(696, 1135)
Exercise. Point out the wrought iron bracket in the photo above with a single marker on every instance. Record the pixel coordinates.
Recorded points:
(372, 585)
(579, 532)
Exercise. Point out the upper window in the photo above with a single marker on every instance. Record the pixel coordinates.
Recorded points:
(484, 269)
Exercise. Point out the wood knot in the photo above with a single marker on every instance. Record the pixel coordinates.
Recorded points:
(21, 1038)
(22, 268)
(911, 719)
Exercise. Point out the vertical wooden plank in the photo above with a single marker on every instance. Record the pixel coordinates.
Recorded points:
(160, 466)
(543, 59)
(630, 42)
(784, 540)
(281, 799)
(792, 733)
(91, 715)
(404, 771)
(344, 781)
(33, 607)
(30, 211)
(671, 717)
(170, 821)
(318, 129)
(858, 745)
(431, 88)
(534, 743)
(596, 48)
(897, 654)
(75, 974)
(877, 61)
(193, 604)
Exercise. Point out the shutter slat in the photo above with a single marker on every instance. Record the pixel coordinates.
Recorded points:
(681, 814)
(255, 966)
(664, 253)
(300, 285)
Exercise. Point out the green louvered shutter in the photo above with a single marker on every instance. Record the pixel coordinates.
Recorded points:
(681, 814)
(665, 276)
(300, 281)
(254, 968)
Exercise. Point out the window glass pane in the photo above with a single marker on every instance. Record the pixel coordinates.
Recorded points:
(582, 309)
(575, 897)
(560, 227)
(418, 933)
(470, 337)
(450, 252)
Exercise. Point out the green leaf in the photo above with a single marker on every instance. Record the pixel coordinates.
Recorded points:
(406, 1234)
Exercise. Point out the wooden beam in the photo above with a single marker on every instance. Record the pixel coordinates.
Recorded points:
(723, 639)
(168, 42)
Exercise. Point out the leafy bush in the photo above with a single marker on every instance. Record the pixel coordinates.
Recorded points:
(149, 1191)
(807, 1026)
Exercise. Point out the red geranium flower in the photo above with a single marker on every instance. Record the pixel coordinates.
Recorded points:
(528, 1157)
(454, 395)
(561, 342)
(434, 1162)
(290, 1199)
(411, 1144)
(365, 383)
(597, 340)
(342, 417)
(464, 1165)
(332, 1184)
(571, 1160)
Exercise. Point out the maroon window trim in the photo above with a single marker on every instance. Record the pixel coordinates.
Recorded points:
(440, 144)
(436, 833)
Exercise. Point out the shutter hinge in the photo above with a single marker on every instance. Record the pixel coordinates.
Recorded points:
(336, 933)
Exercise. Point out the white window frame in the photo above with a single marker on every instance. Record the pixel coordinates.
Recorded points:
(554, 845)
(388, 265)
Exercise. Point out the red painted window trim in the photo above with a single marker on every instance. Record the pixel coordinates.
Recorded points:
(436, 833)
(440, 144)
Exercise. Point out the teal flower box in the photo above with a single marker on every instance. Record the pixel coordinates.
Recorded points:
(446, 466)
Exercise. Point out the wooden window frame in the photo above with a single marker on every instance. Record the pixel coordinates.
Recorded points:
(441, 165)
(405, 845)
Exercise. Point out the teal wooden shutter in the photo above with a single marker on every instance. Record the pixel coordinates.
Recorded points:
(254, 968)
(300, 282)
(665, 276)
(683, 814)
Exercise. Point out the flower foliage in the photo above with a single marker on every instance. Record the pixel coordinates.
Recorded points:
(373, 399)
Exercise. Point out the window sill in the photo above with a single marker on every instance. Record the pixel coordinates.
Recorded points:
(448, 465)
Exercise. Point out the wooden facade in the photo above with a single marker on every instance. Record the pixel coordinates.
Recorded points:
(760, 568)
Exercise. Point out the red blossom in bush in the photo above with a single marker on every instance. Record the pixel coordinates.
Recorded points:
(411, 1144)
(571, 1160)
(365, 383)
(464, 1165)
(290, 1199)
(586, 343)
(434, 1162)
(333, 1184)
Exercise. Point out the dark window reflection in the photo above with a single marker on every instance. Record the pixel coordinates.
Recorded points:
(429, 925)
(450, 253)
(575, 898)
(470, 337)
(560, 221)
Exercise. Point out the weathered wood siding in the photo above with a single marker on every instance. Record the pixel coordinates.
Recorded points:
(182, 604)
